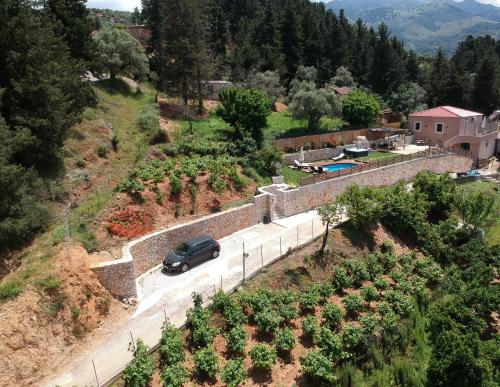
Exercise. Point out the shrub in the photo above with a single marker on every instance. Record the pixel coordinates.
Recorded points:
(234, 315)
(140, 371)
(201, 333)
(175, 184)
(149, 120)
(308, 301)
(261, 300)
(353, 303)
(10, 289)
(236, 339)
(310, 327)
(387, 247)
(234, 373)
(369, 293)
(268, 320)
(48, 283)
(239, 182)
(206, 362)
(317, 367)
(408, 262)
(102, 151)
(397, 275)
(284, 340)
(361, 108)
(263, 356)
(400, 303)
(175, 375)
(341, 279)
(429, 270)
(374, 266)
(351, 337)
(381, 283)
(330, 344)
(221, 300)
(368, 323)
(325, 290)
(332, 315)
(171, 345)
(389, 317)
(359, 272)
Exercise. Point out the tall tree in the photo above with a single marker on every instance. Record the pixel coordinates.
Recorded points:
(455, 88)
(486, 92)
(74, 24)
(438, 77)
(291, 33)
(43, 90)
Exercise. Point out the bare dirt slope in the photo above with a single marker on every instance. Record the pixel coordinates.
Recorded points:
(52, 320)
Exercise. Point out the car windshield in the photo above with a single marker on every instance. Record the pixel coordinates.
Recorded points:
(182, 249)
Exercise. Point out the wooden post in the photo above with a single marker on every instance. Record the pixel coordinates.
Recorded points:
(95, 372)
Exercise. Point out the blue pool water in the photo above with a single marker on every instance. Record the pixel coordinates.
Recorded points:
(338, 166)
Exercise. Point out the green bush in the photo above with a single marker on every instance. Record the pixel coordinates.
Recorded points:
(239, 182)
(308, 301)
(389, 317)
(175, 375)
(317, 368)
(429, 270)
(368, 323)
(341, 279)
(310, 327)
(353, 304)
(140, 370)
(236, 339)
(325, 290)
(263, 357)
(284, 340)
(381, 283)
(201, 333)
(369, 293)
(330, 344)
(221, 300)
(149, 119)
(374, 266)
(48, 283)
(260, 300)
(332, 315)
(206, 362)
(171, 345)
(102, 151)
(361, 108)
(358, 271)
(175, 184)
(234, 315)
(352, 337)
(268, 320)
(400, 303)
(10, 289)
(234, 373)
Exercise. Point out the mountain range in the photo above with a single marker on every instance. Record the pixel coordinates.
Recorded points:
(425, 25)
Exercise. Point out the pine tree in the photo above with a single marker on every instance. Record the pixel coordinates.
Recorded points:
(412, 68)
(438, 77)
(292, 38)
(74, 25)
(486, 92)
(43, 92)
(455, 88)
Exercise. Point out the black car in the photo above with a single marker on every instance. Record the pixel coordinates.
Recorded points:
(191, 253)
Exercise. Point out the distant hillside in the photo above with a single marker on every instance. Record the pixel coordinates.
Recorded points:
(109, 18)
(425, 25)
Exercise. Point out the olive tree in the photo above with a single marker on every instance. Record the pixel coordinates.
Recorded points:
(120, 53)
(330, 214)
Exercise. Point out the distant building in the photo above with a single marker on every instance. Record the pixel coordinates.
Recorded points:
(458, 129)
(342, 91)
(212, 88)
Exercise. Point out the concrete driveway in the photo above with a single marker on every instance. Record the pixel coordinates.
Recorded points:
(164, 296)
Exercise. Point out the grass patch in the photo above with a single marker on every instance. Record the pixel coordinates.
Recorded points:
(491, 188)
(293, 176)
(237, 203)
(377, 155)
(10, 289)
(279, 125)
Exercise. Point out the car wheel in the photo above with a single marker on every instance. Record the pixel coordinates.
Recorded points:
(215, 254)
(184, 267)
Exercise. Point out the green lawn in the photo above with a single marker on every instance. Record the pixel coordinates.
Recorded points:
(279, 125)
(292, 176)
(493, 233)
(376, 155)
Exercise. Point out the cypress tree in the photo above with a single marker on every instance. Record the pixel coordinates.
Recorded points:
(486, 93)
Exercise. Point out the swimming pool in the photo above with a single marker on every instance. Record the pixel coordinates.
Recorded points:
(338, 166)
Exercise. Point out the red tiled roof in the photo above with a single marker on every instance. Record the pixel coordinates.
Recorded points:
(344, 90)
(445, 112)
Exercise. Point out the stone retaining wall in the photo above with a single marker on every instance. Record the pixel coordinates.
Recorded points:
(118, 276)
(150, 250)
(294, 201)
(139, 256)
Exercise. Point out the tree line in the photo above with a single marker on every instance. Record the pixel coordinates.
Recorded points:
(193, 40)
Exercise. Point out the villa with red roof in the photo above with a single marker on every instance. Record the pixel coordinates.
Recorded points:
(457, 129)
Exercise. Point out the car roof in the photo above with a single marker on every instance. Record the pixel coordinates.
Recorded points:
(196, 241)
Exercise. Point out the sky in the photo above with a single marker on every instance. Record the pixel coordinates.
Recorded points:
(128, 5)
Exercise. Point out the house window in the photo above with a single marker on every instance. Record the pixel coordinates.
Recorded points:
(439, 127)
(417, 126)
